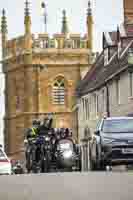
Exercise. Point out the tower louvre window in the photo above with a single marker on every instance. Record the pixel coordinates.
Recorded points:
(59, 92)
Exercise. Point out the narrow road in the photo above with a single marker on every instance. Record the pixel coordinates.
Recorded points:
(68, 186)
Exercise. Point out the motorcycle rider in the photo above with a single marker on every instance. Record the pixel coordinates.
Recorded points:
(45, 126)
(31, 133)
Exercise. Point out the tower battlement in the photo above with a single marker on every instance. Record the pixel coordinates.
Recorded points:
(61, 41)
(41, 41)
(14, 47)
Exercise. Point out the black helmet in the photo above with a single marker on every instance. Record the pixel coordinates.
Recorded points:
(38, 122)
(35, 122)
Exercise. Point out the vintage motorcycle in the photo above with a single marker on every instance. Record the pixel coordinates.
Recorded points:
(67, 155)
(38, 156)
(30, 155)
(44, 150)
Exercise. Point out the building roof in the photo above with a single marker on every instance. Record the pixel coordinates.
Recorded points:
(99, 74)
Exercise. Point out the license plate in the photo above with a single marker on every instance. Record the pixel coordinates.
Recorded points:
(127, 151)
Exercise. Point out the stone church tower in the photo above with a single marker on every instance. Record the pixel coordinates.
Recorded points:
(41, 74)
(128, 10)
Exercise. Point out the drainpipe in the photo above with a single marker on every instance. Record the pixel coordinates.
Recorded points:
(107, 101)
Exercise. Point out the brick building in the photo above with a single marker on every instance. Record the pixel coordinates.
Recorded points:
(128, 10)
(41, 74)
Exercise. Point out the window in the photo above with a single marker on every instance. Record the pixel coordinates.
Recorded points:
(106, 56)
(118, 126)
(97, 104)
(130, 56)
(118, 91)
(88, 109)
(131, 83)
(103, 100)
(59, 91)
(119, 48)
(130, 51)
(83, 105)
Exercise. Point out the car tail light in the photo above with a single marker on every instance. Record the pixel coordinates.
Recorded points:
(4, 160)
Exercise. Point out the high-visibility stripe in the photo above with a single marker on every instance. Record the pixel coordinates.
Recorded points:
(33, 131)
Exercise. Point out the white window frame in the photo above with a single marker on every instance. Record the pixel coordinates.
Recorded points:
(130, 84)
(119, 48)
(118, 94)
(106, 56)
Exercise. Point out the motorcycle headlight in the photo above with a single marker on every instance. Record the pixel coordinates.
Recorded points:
(47, 138)
(67, 154)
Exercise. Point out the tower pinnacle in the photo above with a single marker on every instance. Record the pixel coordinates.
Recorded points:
(3, 22)
(64, 23)
(3, 32)
(27, 8)
(89, 10)
(27, 20)
(90, 25)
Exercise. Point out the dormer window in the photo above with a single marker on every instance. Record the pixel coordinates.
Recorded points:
(106, 56)
(119, 48)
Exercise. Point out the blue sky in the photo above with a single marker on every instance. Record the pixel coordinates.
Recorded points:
(107, 15)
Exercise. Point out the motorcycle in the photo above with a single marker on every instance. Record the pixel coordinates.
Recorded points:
(30, 155)
(38, 154)
(17, 168)
(44, 152)
(67, 156)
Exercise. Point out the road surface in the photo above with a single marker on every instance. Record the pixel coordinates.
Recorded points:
(68, 186)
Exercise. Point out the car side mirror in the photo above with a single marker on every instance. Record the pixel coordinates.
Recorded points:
(97, 133)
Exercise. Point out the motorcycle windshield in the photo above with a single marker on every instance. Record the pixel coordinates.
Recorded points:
(65, 145)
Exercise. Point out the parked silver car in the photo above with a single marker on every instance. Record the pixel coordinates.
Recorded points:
(112, 143)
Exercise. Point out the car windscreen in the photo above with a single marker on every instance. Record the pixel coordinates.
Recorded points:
(118, 126)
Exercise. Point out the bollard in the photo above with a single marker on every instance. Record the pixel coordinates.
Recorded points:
(84, 154)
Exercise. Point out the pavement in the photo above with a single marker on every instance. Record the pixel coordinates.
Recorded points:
(68, 186)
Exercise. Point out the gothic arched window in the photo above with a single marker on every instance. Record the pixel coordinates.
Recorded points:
(59, 91)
